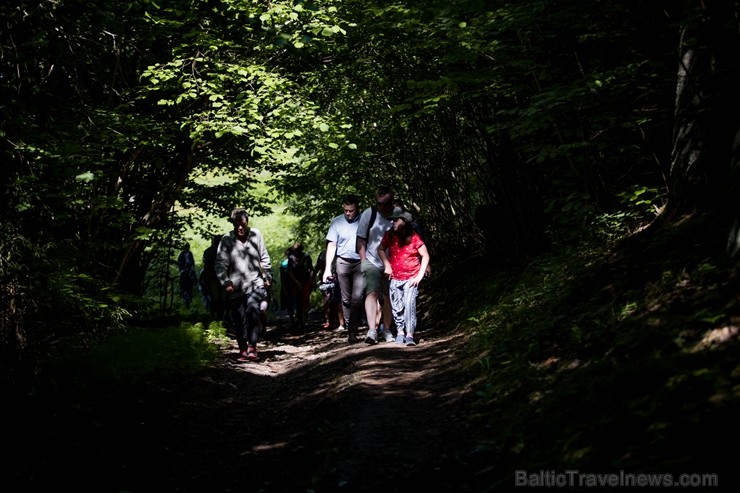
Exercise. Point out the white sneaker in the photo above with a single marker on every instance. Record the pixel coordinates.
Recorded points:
(388, 336)
(372, 337)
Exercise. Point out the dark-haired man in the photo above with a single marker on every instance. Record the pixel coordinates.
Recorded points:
(369, 233)
(341, 243)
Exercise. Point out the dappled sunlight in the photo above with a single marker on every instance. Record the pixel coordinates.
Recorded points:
(546, 363)
(265, 447)
(716, 338)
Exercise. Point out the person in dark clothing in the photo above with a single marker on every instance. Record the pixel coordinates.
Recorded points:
(188, 277)
(300, 275)
(216, 293)
(286, 293)
(330, 293)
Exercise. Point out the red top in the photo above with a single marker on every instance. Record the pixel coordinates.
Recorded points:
(405, 260)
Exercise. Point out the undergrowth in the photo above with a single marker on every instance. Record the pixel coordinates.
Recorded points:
(135, 355)
(609, 357)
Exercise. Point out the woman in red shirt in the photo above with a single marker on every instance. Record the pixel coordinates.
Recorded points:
(405, 257)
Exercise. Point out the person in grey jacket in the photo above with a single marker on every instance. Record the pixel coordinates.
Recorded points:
(244, 270)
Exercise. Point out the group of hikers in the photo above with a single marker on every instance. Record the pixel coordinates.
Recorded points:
(368, 274)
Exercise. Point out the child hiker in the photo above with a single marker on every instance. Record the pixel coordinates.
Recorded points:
(405, 257)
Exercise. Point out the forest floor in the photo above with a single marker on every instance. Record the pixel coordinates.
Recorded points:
(315, 414)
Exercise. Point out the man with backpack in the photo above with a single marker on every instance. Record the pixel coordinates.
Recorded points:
(373, 224)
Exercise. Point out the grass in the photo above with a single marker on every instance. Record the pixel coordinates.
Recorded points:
(137, 355)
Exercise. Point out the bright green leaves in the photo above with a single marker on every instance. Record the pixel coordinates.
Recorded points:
(85, 177)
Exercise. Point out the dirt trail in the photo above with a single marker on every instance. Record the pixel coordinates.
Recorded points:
(315, 414)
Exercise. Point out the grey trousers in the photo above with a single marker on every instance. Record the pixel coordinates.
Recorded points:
(351, 285)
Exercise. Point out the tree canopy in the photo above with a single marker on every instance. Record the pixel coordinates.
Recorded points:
(506, 126)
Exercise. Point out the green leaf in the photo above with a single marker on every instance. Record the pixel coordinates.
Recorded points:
(87, 176)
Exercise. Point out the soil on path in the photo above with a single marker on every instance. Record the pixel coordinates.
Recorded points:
(315, 414)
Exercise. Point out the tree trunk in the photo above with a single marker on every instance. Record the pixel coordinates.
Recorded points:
(704, 162)
(133, 265)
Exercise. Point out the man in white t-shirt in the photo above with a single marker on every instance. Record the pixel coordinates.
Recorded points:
(376, 283)
(341, 244)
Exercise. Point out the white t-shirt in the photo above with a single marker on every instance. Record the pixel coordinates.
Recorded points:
(344, 234)
(377, 230)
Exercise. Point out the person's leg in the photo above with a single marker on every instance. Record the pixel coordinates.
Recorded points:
(185, 289)
(239, 320)
(387, 310)
(326, 307)
(396, 293)
(298, 304)
(410, 295)
(371, 310)
(220, 302)
(252, 318)
(306, 301)
(354, 317)
(345, 278)
(372, 276)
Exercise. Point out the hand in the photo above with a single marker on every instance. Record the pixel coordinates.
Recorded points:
(416, 280)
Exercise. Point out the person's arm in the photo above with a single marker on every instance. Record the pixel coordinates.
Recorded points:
(362, 247)
(309, 266)
(266, 264)
(331, 251)
(384, 257)
(360, 242)
(222, 265)
(424, 253)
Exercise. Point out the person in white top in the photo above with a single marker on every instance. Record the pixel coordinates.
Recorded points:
(341, 244)
(370, 232)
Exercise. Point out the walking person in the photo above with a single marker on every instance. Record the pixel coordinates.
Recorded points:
(188, 277)
(341, 246)
(244, 270)
(330, 294)
(300, 274)
(286, 292)
(373, 224)
(405, 258)
(216, 293)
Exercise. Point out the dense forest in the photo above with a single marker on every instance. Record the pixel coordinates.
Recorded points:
(508, 128)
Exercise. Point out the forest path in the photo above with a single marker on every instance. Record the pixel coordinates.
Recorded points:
(315, 414)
